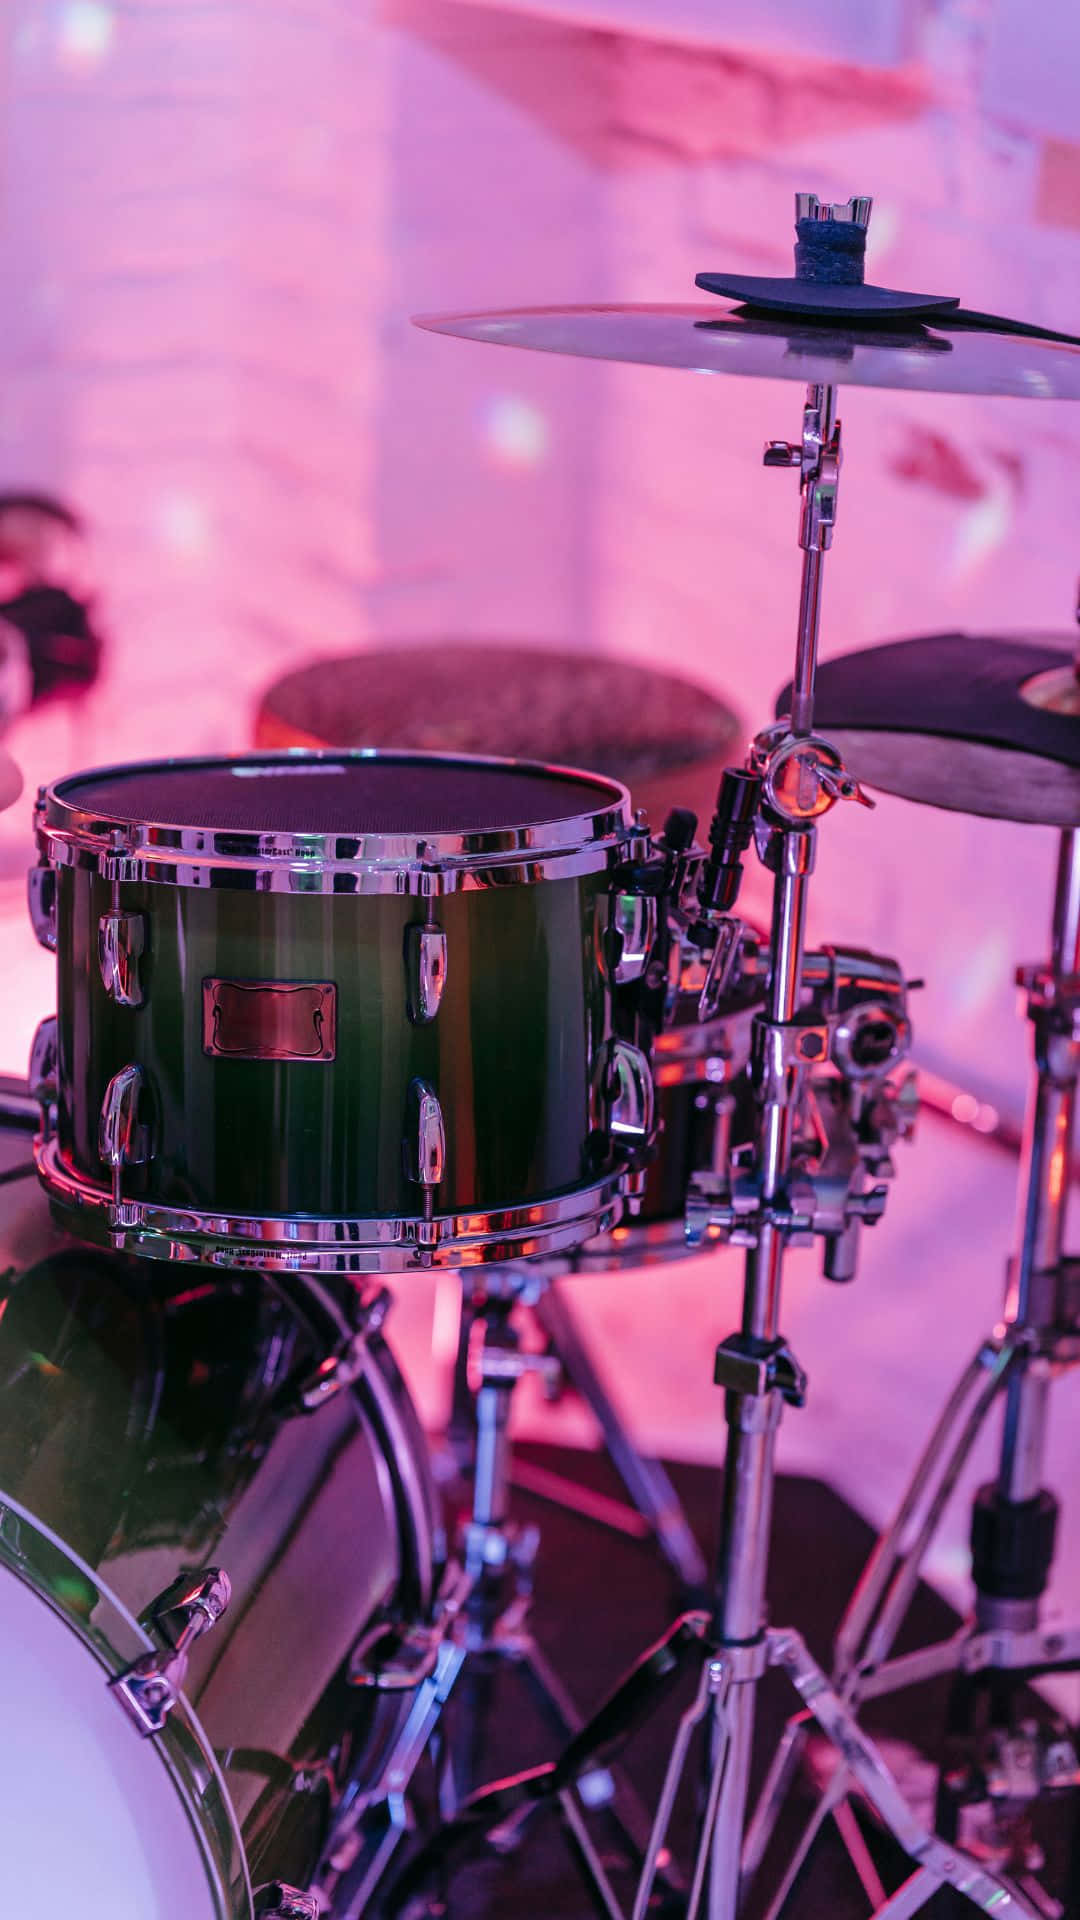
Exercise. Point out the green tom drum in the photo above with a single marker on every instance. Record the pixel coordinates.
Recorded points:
(346, 1011)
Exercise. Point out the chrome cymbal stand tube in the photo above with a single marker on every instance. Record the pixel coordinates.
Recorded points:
(765, 1208)
(1014, 1521)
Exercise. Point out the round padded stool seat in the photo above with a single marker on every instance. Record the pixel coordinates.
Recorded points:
(666, 738)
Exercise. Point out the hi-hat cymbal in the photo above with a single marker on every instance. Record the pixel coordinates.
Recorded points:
(942, 358)
(974, 723)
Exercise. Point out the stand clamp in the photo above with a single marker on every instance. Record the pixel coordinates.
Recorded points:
(755, 1368)
(818, 457)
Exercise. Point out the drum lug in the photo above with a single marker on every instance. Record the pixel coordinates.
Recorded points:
(121, 944)
(424, 1145)
(148, 1689)
(725, 963)
(43, 1074)
(122, 1141)
(630, 1092)
(345, 1367)
(425, 971)
(41, 897)
(627, 947)
(277, 1901)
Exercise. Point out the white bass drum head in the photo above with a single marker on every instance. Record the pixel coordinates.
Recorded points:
(91, 1824)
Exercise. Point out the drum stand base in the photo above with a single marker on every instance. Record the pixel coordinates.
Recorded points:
(1000, 1765)
(473, 1633)
(999, 1648)
(655, 1507)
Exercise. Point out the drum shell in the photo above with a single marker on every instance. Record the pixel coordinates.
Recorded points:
(703, 1102)
(511, 1052)
(695, 1124)
(149, 1421)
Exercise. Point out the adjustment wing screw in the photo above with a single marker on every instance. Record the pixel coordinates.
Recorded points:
(781, 453)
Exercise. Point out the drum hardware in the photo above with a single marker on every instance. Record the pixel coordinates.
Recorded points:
(471, 1624)
(121, 944)
(42, 1076)
(655, 1507)
(41, 896)
(798, 778)
(424, 1144)
(279, 1902)
(634, 924)
(425, 968)
(122, 1140)
(1014, 1519)
(149, 1687)
(626, 1092)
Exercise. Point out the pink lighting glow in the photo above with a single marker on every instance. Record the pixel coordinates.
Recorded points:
(84, 34)
(516, 432)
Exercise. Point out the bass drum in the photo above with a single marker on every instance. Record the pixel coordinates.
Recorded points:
(158, 1424)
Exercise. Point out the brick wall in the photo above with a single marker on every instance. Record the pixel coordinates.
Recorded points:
(217, 219)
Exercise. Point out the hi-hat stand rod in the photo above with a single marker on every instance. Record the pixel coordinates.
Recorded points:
(1015, 1518)
(1035, 1283)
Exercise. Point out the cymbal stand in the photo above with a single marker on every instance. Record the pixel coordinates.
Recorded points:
(799, 778)
(1014, 1518)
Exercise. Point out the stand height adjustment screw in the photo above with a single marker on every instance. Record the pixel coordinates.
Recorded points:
(781, 453)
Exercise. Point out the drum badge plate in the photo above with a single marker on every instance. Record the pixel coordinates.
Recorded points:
(270, 1019)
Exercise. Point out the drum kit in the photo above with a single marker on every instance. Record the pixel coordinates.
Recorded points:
(329, 1015)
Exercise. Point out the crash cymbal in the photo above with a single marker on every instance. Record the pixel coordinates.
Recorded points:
(945, 357)
(975, 723)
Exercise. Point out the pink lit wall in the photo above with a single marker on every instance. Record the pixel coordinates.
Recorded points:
(217, 219)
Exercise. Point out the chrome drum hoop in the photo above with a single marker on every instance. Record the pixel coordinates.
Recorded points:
(429, 865)
(115, 1639)
(642, 1243)
(314, 1244)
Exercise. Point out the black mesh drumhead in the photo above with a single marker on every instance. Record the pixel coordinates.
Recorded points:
(389, 794)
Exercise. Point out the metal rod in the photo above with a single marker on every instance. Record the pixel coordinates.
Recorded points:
(645, 1480)
(802, 691)
(749, 1471)
(1034, 1286)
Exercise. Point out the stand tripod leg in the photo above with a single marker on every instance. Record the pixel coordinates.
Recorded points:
(891, 1574)
(360, 1884)
(940, 1864)
(645, 1480)
(830, 1800)
(778, 1782)
(676, 1766)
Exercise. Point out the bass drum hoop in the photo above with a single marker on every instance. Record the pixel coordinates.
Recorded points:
(116, 1640)
(312, 1243)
